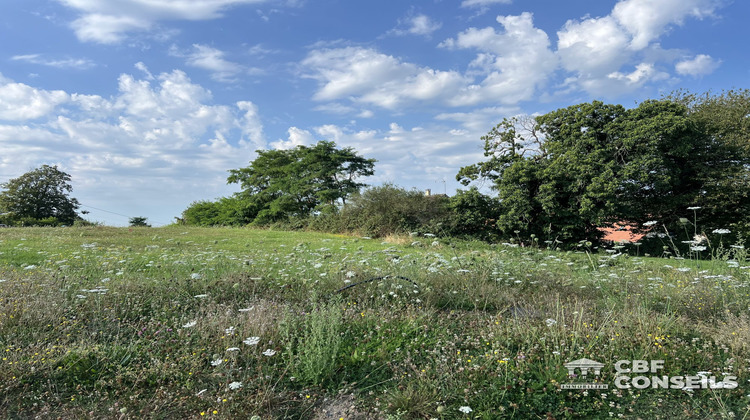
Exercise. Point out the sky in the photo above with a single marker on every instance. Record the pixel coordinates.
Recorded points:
(148, 103)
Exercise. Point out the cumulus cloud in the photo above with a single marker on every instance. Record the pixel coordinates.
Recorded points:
(160, 143)
(109, 22)
(597, 49)
(700, 65)
(297, 137)
(514, 61)
(646, 20)
(20, 102)
(369, 77)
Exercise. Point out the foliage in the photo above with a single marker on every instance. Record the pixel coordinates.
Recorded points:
(312, 342)
(286, 183)
(388, 209)
(227, 211)
(592, 164)
(39, 197)
(473, 215)
(139, 221)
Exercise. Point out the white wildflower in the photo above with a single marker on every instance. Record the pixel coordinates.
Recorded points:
(694, 208)
(550, 322)
(201, 296)
(190, 324)
(195, 276)
(465, 409)
(235, 385)
(229, 331)
(650, 223)
(233, 349)
(269, 352)
(721, 231)
(216, 362)
(251, 341)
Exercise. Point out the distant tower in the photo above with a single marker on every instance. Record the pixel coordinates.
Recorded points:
(427, 192)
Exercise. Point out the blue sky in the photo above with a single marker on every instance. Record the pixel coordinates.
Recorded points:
(148, 103)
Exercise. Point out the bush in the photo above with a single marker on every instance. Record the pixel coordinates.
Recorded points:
(227, 211)
(387, 209)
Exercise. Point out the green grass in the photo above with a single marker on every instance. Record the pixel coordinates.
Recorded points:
(118, 322)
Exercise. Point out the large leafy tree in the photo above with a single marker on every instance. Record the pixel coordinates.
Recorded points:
(587, 165)
(283, 183)
(43, 193)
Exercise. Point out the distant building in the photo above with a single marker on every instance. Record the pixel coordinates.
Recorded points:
(621, 232)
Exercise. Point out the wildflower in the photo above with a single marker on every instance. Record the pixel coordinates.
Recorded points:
(550, 322)
(650, 223)
(229, 331)
(216, 362)
(269, 352)
(693, 208)
(195, 276)
(721, 231)
(465, 409)
(235, 385)
(201, 296)
(190, 324)
(233, 349)
(251, 341)
(246, 309)
(697, 248)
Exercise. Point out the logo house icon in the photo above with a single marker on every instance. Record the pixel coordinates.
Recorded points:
(584, 366)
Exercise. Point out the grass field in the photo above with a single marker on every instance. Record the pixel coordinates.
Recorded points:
(182, 322)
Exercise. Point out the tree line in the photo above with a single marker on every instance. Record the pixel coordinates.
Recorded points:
(556, 177)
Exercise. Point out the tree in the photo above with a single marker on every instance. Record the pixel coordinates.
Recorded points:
(284, 183)
(40, 195)
(599, 164)
(139, 221)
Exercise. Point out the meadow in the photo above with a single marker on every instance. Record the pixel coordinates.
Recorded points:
(177, 322)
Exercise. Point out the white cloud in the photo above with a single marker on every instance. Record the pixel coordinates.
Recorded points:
(700, 65)
(593, 46)
(514, 61)
(421, 25)
(108, 22)
(297, 137)
(483, 3)
(646, 20)
(22, 102)
(511, 65)
(369, 77)
(64, 63)
(151, 148)
(597, 49)
(211, 59)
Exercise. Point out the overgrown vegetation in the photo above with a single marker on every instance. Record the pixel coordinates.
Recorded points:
(184, 322)
(558, 177)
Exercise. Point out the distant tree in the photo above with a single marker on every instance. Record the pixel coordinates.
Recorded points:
(39, 195)
(139, 221)
(285, 183)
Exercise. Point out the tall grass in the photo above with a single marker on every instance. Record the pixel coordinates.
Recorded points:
(231, 323)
